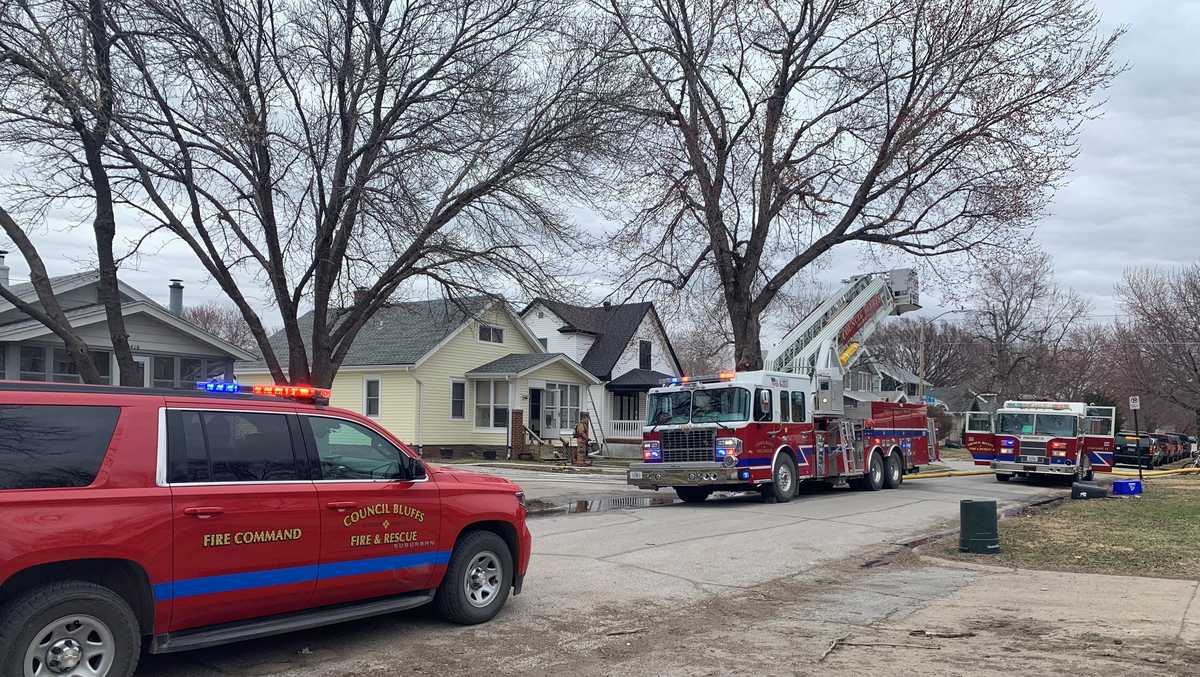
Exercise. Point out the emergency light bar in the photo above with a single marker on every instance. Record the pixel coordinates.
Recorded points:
(216, 386)
(707, 378)
(1036, 405)
(307, 393)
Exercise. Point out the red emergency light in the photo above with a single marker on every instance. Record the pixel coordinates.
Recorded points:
(305, 393)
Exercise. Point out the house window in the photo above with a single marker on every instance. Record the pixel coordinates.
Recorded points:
(164, 372)
(65, 369)
(643, 354)
(458, 400)
(626, 408)
(491, 404)
(544, 343)
(371, 397)
(33, 363)
(490, 334)
(191, 370)
(568, 403)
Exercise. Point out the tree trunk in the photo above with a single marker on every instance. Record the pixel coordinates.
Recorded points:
(747, 345)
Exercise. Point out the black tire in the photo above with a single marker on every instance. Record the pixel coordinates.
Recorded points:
(1003, 477)
(893, 471)
(453, 601)
(784, 480)
(873, 480)
(693, 494)
(28, 616)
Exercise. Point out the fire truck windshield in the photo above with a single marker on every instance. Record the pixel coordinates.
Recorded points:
(1051, 425)
(715, 405)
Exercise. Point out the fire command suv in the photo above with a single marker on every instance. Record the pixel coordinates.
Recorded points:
(194, 519)
(1071, 440)
(771, 430)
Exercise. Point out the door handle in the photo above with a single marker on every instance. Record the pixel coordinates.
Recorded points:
(340, 505)
(204, 512)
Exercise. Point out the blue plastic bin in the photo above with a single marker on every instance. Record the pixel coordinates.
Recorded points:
(1126, 487)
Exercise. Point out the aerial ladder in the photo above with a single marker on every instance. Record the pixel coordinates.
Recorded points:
(829, 340)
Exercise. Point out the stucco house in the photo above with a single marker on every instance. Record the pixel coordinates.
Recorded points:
(453, 378)
(170, 351)
(624, 347)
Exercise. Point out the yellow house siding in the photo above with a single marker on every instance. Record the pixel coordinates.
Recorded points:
(454, 359)
(397, 397)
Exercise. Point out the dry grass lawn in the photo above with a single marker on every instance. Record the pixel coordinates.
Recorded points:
(1157, 534)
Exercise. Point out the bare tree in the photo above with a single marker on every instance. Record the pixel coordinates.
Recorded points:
(951, 352)
(56, 104)
(1022, 318)
(775, 131)
(1157, 349)
(342, 152)
(223, 320)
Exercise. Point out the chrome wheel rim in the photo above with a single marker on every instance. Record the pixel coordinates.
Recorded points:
(876, 473)
(895, 471)
(783, 477)
(72, 646)
(483, 579)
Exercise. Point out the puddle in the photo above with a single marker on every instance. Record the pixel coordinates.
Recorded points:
(540, 508)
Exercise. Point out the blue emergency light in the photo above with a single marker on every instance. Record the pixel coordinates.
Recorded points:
(218, 386)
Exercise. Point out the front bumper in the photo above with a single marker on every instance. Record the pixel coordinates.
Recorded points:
(698, 474)
(1034, 468)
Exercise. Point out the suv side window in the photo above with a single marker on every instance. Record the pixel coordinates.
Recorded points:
(47, 446)
(349, 451)
(227, 446)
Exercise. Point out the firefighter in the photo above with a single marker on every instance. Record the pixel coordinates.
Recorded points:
(581, 440)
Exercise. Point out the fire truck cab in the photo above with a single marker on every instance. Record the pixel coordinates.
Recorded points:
(769, 431)
(1071, 440)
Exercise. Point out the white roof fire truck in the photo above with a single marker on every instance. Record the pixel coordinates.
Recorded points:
(771, 430)
(1071, 440)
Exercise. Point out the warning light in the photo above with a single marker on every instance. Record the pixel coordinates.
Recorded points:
(726, 375)
(217, 386)
(307, 393)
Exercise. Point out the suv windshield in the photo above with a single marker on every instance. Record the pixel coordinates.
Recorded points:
(715, 405)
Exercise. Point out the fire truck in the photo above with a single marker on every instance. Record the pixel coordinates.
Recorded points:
(1070, 440)
(770, 430)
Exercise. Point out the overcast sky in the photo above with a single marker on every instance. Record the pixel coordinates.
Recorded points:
(1133, 199)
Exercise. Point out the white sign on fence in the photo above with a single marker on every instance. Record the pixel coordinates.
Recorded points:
(1135, 402)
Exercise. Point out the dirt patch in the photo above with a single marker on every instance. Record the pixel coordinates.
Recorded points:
(1157, 534)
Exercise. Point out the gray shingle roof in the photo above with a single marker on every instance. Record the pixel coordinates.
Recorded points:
(612, 325)
(401, 333)
(514, 363)
(637, 379)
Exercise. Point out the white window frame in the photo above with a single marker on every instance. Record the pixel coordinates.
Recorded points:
(491, 405)
(466, 398)
(379, 398)
(564, 404)
(492, 330)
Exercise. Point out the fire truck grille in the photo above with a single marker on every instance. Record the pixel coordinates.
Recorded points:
(1033, 450)
(687, 445)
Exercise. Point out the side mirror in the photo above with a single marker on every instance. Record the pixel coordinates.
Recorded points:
(416, 469)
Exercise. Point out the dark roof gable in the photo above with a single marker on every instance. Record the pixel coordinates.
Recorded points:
(612, 325)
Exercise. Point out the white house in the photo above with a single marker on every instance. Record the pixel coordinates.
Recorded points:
(624, 346)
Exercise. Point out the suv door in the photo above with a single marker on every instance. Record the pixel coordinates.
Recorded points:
(379, 518)
(245, 523)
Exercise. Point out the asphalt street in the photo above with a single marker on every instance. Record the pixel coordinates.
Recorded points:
(599, 572)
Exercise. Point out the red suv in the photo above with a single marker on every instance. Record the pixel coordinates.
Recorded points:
(195, 519)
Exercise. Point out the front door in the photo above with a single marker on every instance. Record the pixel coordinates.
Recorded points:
(550, 422)
(245, 530)
(535, 410)
(142, 363)
(379, 529)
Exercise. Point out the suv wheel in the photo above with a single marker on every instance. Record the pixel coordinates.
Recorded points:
(478, 580)
(73, 629)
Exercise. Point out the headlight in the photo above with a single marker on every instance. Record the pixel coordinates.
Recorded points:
(727, 446)
(651, 451)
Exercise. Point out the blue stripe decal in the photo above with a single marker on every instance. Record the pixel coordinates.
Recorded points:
(983, 457)
(1101, 457)
(208, 585)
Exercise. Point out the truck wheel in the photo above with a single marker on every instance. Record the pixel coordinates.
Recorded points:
(1003, 477)
(693, 494)
(478, 580)
(69, 628)
(783, 480)
(893, 474)
(873, 480)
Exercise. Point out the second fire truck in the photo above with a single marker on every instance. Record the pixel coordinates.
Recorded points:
(1070, 440)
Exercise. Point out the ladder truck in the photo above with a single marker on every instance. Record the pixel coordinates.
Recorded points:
(772, 429)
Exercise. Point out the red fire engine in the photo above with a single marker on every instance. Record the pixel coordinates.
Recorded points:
(771, 430)
(1065, 439)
